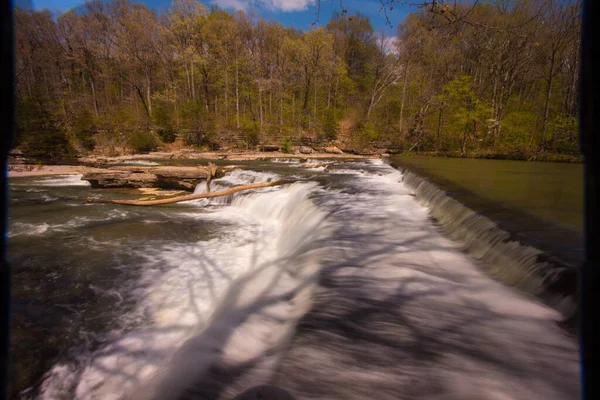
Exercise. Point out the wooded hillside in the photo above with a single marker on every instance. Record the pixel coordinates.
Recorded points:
(498, 76)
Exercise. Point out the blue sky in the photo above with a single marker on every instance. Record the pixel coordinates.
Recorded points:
(298, 13)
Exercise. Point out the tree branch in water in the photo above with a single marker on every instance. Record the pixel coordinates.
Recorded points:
(188, 197)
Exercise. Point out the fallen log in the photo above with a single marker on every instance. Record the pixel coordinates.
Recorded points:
(188, 197)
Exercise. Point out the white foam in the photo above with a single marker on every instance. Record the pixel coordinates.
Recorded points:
(26, 229)
(245, 176)
(232, 178)
(62, 180)
(181, 286)
(31, 229)
(140, 162)
(236, 296)
(285, 160)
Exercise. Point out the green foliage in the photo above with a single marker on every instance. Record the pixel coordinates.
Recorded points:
(251, 131)
(330, 125)
(518, 127)
(39, 135)
(167, 135)
(204, 134)
(565, 132)
(163, 120)
(366, 133)
(28, 117)
(191, 114)
(287, 145)
(49, 142)
(464, 112)
(142, 142)
(82, 128)
(191, 72)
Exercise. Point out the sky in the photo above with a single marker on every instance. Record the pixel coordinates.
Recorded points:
(298, 13)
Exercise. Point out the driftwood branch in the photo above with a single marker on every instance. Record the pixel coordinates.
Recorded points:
(188, 197)
(212, 172)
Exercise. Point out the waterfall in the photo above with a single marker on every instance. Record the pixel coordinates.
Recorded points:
(507, 260)
(209, 299)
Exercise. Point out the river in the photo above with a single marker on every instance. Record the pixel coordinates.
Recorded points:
(539, 202)
(338, 286)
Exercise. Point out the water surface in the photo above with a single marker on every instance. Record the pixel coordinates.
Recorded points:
(549, 191)
(118, 302)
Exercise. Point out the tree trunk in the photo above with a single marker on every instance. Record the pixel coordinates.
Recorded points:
(280, 111)
(329, 94)
(192, 81)
(547, 105)
(206, 90)
(337, 84)
(306, 92)
(227, 95)
(260, 107)
(148, 94)
(402, 100)
(439, 130)
(237, 91)
(139, 92)
(94, 96)
(315, 103)
(464, 138)
(189, 197)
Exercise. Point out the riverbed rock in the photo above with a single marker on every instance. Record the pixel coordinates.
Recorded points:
(270, 148)
(333, 150)
(303, 150)
(170, 178)
(120, 179)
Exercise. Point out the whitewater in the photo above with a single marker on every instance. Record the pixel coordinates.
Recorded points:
(339, 286)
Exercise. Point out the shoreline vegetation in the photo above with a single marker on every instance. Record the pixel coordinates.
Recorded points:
(494, 79)
(22, 167)
(517, 156)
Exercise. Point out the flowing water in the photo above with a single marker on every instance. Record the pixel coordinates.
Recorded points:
(337, 286)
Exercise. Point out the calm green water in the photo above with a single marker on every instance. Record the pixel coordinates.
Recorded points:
(552, 192)
(540, 204)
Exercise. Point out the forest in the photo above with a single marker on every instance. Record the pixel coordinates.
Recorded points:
(488, 77)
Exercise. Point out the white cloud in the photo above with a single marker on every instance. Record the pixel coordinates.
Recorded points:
(232, 4)
(387, 43)
(274, 5)
(288, 5)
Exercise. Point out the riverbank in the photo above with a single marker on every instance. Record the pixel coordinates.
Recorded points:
(25, 170)
(19, 171)
(515, 156)
(215, 155)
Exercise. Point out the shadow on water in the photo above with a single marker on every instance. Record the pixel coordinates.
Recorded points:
(368, 334)
(388, 312)
(371, 336)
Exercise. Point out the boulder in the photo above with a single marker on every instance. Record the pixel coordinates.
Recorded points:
(333, 150)
(170, 178)
(120, 179)
(179, 178)
(305, 150)
(269, 148)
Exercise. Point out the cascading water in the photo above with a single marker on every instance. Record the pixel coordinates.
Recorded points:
(508, 260)
(201, 293)
(342, 289)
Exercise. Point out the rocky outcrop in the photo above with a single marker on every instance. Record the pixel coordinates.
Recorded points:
(120, 179)
(333, 150)
(171, 178)
(303, 150)
(360, 152)
(270, 148)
